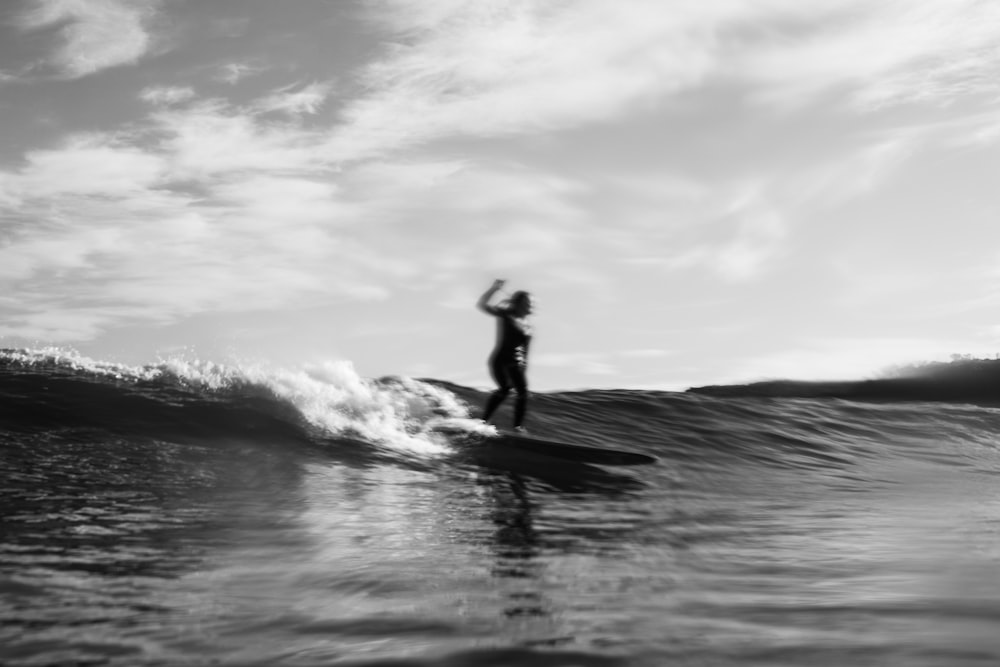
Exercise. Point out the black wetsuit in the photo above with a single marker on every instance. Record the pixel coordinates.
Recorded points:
(508, 366)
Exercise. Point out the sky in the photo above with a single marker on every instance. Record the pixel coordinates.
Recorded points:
(694, 191)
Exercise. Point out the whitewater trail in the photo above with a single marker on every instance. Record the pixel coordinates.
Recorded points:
(399, 413)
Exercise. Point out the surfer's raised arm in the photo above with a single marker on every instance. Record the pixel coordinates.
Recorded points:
(509, 360)
(484, 301)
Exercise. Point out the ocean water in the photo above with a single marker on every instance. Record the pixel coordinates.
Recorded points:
(186, 513)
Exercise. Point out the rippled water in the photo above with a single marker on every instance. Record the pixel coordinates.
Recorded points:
(770, 533)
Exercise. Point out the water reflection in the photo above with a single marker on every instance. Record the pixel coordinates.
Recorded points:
(244, 551)
(549, 517)
(517, 546)
(559, 474)
(96, 533)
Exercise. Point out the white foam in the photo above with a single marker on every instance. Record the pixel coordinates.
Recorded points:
(395, 412)
(332, 396)
(73, 359)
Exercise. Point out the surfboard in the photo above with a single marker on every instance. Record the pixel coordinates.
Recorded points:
(561, 450)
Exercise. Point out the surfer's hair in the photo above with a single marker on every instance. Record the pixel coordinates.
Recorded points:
(519, 299)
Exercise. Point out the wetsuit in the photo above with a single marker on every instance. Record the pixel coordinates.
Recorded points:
(508, 366)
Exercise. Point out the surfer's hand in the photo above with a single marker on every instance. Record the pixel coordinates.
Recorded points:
(499, 283)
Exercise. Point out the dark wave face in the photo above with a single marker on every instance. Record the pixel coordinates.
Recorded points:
(203, 400)
(192, 513)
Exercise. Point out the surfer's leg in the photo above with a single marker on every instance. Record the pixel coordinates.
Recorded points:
(521, 387)
(496, 398)
(499, 374)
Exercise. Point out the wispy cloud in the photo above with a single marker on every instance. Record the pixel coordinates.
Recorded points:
(214, 207)
(166, 95)
(85, 165)
(487, 69)
(759, 236)
(478, 69)
(296, 100)
(467, 214)
(233, 73)
(735, 231)
(299, 199)
(61, 323)
(854, 172)
(111, 229)
(213, 138)
(48, 252)
(96, 34)
(879, 53)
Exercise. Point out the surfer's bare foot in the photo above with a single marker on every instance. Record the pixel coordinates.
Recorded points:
(520, 430)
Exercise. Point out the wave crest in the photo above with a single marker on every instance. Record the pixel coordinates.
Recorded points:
(324, 399)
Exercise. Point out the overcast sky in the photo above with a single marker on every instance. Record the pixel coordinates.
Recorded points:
(696, 191)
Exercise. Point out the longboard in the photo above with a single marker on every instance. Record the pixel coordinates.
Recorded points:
(599, 455)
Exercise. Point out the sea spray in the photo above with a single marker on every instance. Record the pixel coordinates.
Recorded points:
(393, 412)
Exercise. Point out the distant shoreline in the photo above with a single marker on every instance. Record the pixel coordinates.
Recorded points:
(975, 381)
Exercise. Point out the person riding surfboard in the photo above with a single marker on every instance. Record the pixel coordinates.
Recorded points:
(508, 363)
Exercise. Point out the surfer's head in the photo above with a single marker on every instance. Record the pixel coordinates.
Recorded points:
(520, 303)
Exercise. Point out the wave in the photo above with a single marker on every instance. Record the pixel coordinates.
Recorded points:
(54, 389)
(330, 405)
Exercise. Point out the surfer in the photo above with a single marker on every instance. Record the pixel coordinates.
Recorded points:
(509, 361)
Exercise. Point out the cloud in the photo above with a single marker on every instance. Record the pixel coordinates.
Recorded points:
(211, 138)
(735, 230)
(58, 325)
(306, 100)
(494, 69)
(980, 132)
(881, 53)
(486, 69)
(488, 215)
(856, 171)
(110, 230)
(28, 255)
(760, 234)
(299, 199)
(166, 95)
(233, 73)
(213, 208)
(740, 228)
(149, 257)
(86, 165)
(96, 34)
